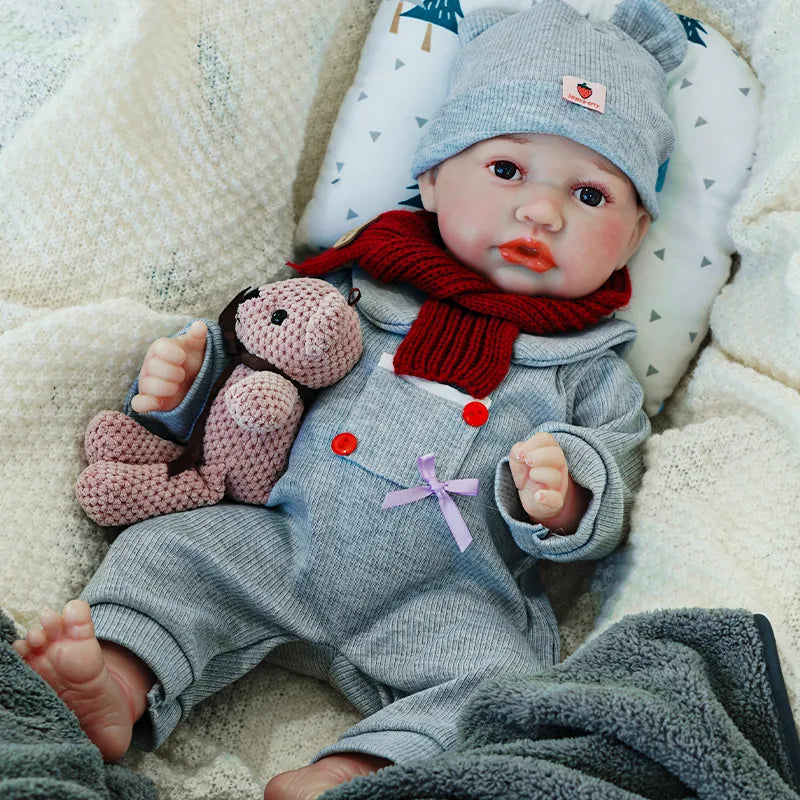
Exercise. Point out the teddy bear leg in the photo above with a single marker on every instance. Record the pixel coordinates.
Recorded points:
(115, 493)
(114, 436)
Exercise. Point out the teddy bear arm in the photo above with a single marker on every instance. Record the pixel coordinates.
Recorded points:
(262, 401)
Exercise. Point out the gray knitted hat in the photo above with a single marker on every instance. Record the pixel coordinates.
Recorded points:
(509, 78)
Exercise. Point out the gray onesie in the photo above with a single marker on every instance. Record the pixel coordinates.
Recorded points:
(381, 602)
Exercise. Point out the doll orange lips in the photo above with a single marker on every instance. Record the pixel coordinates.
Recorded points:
(528, 253)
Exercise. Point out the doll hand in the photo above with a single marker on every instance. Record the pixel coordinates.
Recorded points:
(169, 369)
(540, 473)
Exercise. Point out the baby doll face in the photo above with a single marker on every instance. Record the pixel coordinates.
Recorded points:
(536, 214)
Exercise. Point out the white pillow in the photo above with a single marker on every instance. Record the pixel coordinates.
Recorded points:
(713, 98)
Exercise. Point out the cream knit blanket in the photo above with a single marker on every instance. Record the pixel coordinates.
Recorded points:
(154, 157)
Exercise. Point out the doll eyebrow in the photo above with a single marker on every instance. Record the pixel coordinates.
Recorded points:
(517, 138)
(611, 169)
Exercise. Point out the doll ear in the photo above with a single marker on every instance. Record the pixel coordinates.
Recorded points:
(426, 182)
(477, 22)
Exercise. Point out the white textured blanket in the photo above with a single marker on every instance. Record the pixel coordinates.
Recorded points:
(154, 157)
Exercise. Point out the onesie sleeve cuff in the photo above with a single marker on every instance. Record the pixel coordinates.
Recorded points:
(177, 424)
(600, 528)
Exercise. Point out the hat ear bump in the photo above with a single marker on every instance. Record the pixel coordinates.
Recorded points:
(477, 22)
(655, 27)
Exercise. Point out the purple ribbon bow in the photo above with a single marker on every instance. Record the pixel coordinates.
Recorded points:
(451, 513)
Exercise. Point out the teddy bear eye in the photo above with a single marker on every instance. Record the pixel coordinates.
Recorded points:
(278, 316)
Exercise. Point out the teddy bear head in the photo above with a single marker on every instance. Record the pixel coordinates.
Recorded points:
(305, 327)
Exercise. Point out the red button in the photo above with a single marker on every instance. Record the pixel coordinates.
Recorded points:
(475, 413)
(343, 444)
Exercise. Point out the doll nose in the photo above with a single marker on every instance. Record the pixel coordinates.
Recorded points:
(540, 208)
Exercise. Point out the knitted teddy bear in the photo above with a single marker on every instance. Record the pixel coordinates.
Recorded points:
(284, 340)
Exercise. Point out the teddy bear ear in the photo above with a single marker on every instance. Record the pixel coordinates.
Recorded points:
(477, 22)
(227, 319)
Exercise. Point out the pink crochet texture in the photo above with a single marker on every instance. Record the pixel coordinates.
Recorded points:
(252, 421)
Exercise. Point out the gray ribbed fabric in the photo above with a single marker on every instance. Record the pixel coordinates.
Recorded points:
(508, 78)
(380, 602)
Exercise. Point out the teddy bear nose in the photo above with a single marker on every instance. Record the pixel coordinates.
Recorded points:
(279, 316)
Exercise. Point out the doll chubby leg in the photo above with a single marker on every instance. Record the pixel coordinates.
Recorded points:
(200, 597)
(417, 668)
(114, 436)
(413, 728)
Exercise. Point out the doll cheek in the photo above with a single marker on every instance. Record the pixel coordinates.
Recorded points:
(458, 236)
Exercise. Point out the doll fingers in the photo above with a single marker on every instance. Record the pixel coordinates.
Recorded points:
(545, 477)
(543, 446)
(144, 403)
(545, 457)
(195, 336)
(519, 471)
(169, 350)
(158, 368)
(196, 329)
(550, 500)
(157, 387)
(541, 504)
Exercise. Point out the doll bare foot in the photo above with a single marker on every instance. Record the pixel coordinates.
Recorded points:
(65, 652)
(309, 782)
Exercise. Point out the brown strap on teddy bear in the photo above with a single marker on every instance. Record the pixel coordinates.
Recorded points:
(238, 354)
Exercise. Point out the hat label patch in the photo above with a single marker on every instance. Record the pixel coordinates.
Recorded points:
(584, 93)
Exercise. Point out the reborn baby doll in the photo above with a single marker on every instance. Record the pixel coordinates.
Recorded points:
(490, 422)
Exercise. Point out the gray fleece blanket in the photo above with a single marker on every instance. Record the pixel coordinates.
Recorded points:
(668, 705)
(44, 755)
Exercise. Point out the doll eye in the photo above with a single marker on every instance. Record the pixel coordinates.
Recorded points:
(507, 170)
(278, 316)
(590, 196)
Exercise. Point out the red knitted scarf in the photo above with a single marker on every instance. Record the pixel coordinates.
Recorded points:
(464, 333)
